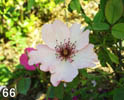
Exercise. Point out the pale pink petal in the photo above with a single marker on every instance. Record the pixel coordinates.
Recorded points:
(48, 35)
(86, 57)
(45, 67)
(56, 31)
(55, 79)
(63, 71)
(79, 36)
(62, 31)
(43, 55)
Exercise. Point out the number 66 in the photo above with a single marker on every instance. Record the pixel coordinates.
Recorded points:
(6, 93)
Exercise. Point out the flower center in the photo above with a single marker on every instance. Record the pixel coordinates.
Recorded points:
(65, 51)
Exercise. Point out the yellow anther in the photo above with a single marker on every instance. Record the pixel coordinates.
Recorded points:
(65, 52)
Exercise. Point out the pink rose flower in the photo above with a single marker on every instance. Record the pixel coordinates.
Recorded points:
(65, 51)
(24, 60)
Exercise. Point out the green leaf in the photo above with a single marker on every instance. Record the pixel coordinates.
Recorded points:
(20, 67)
(57, 92)
(118, 94)
(58, 1)
(100, 26)
(67, 97)
(108, 39)
(30, 4)
(118, 31)
(5, 74)
(102, 4)
(50, 92)
(113, 10)
(103, 57)
(99, 17)
(75, 5)
(95, 39)
(83, 93)
(23, 85)
(83, 72)
(113, 57)
(86, 18)
(74, 84)
(11, 9)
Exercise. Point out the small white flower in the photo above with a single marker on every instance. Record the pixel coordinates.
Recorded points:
(93, 82)
(66, 50)
(65, 85)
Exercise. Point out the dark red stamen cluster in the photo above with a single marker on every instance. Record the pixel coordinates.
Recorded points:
(65, 51)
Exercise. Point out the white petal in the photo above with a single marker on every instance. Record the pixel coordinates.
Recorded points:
(48, 35)
(55, 79)
(77, 34)
(63, 71)
(86, 57)
(43, 55)
(44, 67)
(56, 31)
